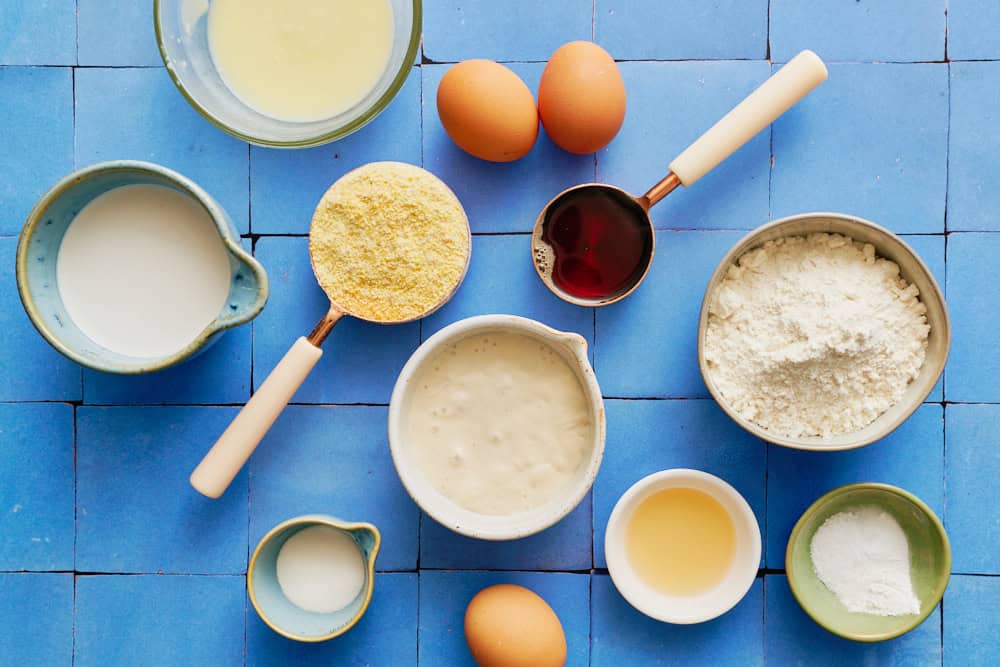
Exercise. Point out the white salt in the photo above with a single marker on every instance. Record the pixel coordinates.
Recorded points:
(863, 557)
(320, 569)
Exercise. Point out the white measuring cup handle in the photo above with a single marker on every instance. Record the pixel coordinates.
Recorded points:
(231, 451)
(761, 108)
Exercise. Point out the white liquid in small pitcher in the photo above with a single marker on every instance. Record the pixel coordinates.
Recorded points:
(142, 270)
(320, 569)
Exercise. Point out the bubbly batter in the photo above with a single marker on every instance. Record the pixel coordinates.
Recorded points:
(499, 422)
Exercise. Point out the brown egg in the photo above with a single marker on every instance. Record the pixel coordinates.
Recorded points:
(581, 97)
(488, 110)
(511, 626)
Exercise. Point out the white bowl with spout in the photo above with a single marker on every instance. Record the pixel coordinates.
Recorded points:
(573, 349)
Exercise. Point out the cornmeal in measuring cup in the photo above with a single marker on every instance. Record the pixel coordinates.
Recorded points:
(389, 242)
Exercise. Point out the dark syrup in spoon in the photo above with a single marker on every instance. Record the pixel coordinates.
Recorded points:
(601, 242)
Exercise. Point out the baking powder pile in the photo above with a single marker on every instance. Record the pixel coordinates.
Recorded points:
(814, 335)
(863, 557)
(389, 242)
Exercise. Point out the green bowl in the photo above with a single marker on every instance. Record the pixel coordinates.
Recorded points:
(930, 561)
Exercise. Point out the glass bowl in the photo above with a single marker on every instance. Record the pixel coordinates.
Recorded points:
(183, 40)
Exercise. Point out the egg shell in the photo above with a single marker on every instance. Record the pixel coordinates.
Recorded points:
(512, 626)
(581, 97)
(488, 110)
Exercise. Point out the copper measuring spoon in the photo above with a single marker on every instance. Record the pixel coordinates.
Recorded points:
(231, 451)
(631, 246)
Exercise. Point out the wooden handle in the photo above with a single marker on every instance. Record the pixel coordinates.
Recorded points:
(222, 463)
(774, 97)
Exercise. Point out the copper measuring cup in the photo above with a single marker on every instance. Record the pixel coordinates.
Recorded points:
(758, 110)
(231, 451)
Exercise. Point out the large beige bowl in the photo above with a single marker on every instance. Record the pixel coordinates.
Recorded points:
(911, 267)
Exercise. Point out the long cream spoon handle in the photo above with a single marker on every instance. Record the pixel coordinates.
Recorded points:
(231, 451)
(761, 108)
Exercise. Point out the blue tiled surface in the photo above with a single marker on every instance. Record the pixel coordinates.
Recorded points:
(36, 618)
(194, 620)
(135, 510)
(682, 30)
(36, 500)
(791, 638)
(898, 134)
(444, 596)
(972, 33)
(973, 198)
(859, 30)
(970, 627)
(622, 636)
(872, 141)
(38, 32)
(971, 468)
(132, 24)
(973, 295)
(36, 124)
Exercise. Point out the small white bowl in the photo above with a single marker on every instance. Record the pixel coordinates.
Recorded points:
(573, 348)
(684, 609)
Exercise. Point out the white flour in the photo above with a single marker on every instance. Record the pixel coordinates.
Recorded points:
(863, 557)
(814, 335)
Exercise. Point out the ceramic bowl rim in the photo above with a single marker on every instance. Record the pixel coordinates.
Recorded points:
(215, 212)
(407, 470)
(326, 137)
(654, 482)
(333, 522)
(890, 489)
(750, 241)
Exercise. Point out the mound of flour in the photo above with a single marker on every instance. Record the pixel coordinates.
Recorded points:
(814, 335)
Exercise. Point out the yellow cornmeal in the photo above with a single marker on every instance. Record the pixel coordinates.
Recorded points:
(389, 242)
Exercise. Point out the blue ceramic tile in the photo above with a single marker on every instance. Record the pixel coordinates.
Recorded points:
(669, 106)
(386, 635)
(796, 478)
(360, 360)
(931, 250)
(973, 198)
(682, 30)
(36, 127)
(971, 468)
(564, 546)
(153, 122)
(36, 487)
(792, 638)
(648, 436)
(623, 636)
(159, 620)
(859, 31)
(117, 32)
(136, 511)
(499, 197)
(219, 375)
(971, 628)
(285, 185)
(502, 279)
(871, 141)
(445, 595)
(36, 619)
(25, 352)
(38, 32)
(972, 33)
(973, 293)
(333, 460)
(647, 344)
(515, 30)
